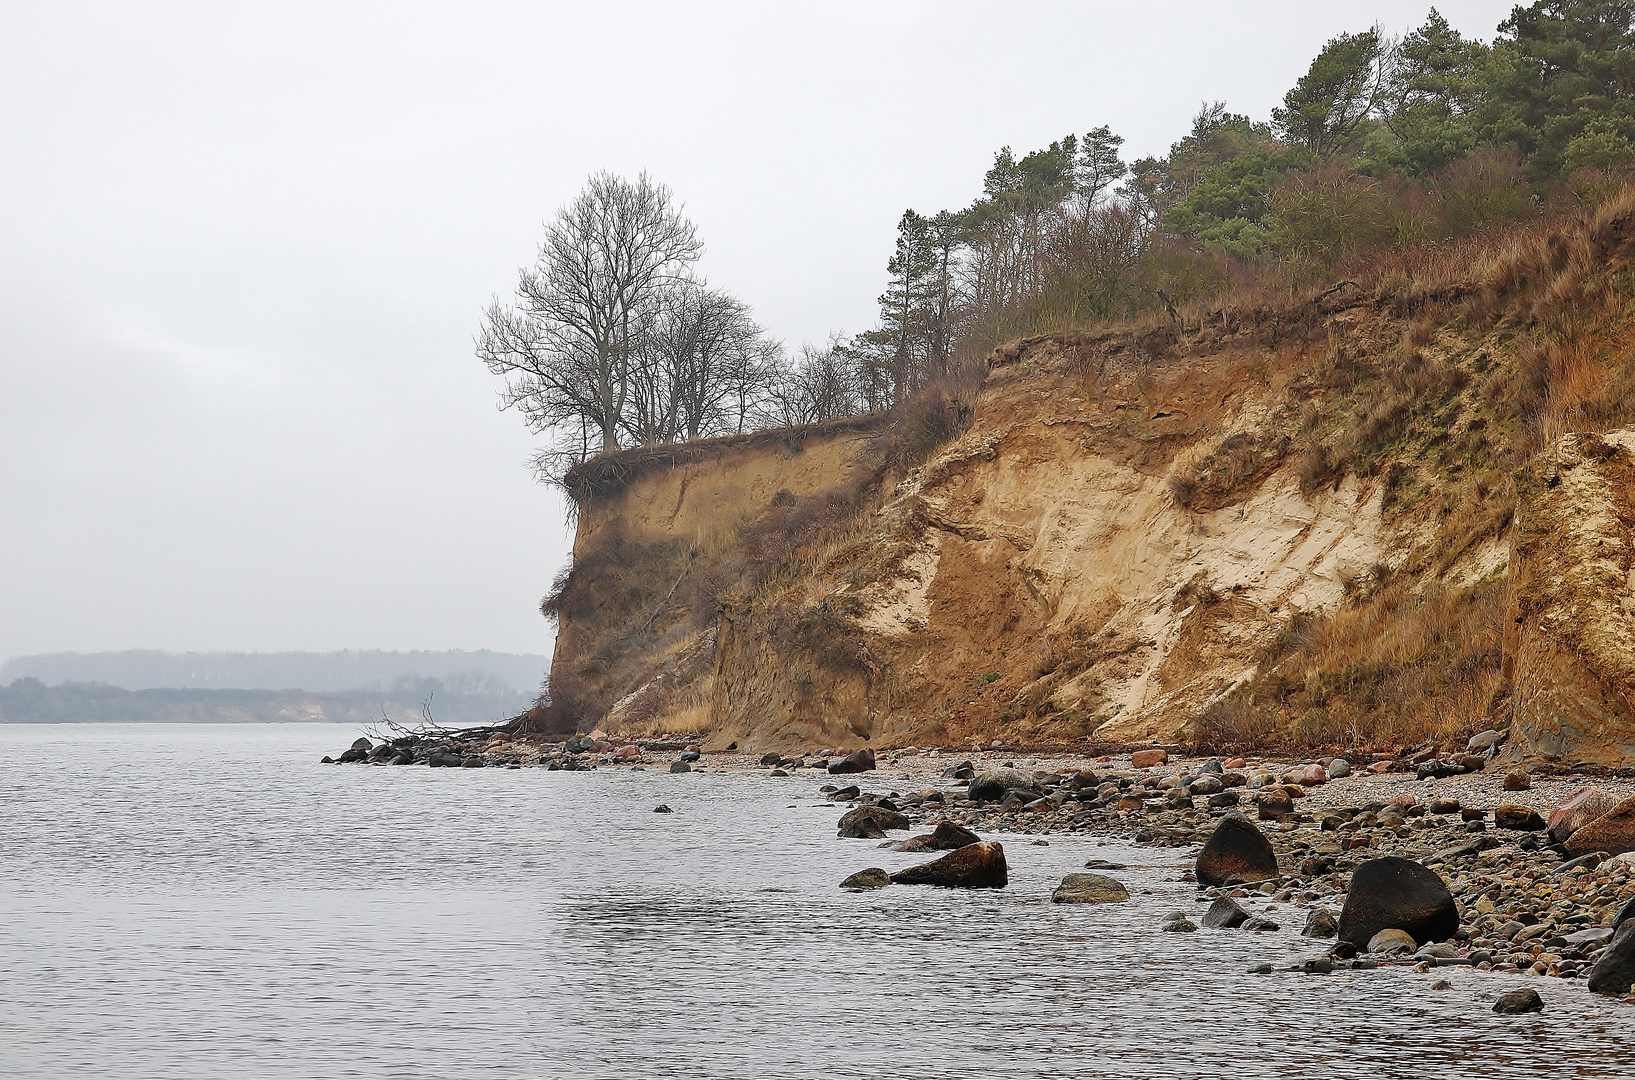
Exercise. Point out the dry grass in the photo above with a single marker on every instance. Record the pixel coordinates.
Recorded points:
(1394, 670)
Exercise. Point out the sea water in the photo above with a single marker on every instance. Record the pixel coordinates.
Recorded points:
(186, 901)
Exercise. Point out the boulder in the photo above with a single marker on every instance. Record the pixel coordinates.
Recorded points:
(1624, 914)
(402, 757)
(1089, 889)
(356, 753)
(872, 878)
(1178, 926)
(1517, 781)
(1614, 973)
(680, 767)
(1612, 832)
(772, 757)
(1306, 776)
(1273, 804)
(975, 866)
(1236, 851)
(1516, 816)
(1519, 1001)
(1578, 810)
(945, 837)
(688, 755)
(1147, 759)
(1085, 778)
(1444, 806)
(871, 822)
(662, 809)
(1224, 914)
(1400, 894)
(1339, 768)
(855, 762)
(1391, 941)
(993, 785)
(444, 759)
(362, 744)
(472, 762)
(1483, 742)
(1259, 923)
(1321, 923)
(1205, 785)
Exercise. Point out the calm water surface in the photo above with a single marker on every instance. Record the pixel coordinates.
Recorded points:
(187, 901)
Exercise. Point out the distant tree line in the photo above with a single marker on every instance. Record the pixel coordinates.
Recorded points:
(1385, 142)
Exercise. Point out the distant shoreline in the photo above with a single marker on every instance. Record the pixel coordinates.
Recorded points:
(29, 701)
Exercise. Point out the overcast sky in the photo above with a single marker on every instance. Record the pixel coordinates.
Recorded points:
(244, 248)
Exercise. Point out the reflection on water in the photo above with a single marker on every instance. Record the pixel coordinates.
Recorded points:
(210, 902)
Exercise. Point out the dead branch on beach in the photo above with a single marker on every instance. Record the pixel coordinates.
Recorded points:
(429, 730)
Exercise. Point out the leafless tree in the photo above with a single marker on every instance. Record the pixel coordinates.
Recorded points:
(701, 366)
(570, 345)
(821, 384)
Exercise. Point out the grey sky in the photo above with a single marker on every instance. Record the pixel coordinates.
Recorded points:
(243, 250)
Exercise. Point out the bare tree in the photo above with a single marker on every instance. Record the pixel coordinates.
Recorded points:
(821, 384)
(570, 345)
(701, 367)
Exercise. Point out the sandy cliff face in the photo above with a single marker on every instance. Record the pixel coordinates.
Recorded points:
(1571, 644)
(1042, 566)
(669, 530)
(1112, 546)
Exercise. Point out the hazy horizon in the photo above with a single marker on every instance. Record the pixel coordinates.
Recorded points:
(481, 670)
(248, 249)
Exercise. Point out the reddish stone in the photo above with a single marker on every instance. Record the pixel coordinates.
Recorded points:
(1380, 766)
(628, 752)
(1236, 852)
(861, 761)
(1233, 763)
(1578, 810)
(1612, 832)
(1306, 776)
(976, 866)
(1146, 759)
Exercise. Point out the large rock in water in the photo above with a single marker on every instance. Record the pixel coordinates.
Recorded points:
(945, 837)
(871, 822)
(1612, 832)
(1614, 973)
(1397, 894)
(1225, 914)
(975, 866)
(1569, 639)
(855, 762)
(1236, 852)
(1578, 810)
(992, 785)
(1089, 889)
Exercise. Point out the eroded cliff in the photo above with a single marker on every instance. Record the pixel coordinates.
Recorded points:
(1283, 523)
